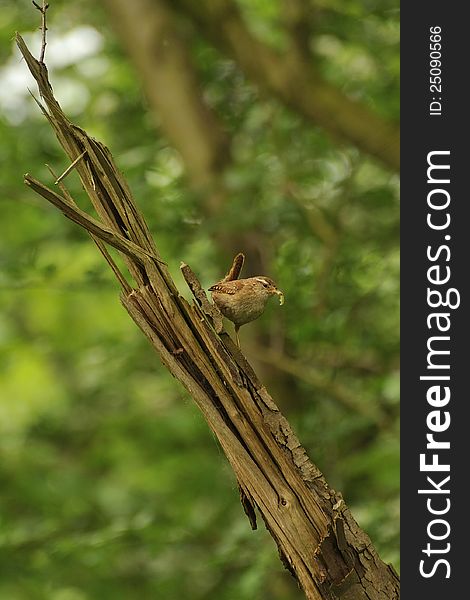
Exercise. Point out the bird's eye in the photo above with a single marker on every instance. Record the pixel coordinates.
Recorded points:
(263, 282)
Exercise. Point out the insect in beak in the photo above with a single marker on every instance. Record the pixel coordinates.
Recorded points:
(281, 297)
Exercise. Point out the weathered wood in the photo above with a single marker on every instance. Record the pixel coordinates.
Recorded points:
(317, 537)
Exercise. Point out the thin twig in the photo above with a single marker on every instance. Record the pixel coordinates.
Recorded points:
(42, 9)
(104, 232)
(69, 168)
(101, 246)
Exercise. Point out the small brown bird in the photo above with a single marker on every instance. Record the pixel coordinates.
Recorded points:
(243, 300)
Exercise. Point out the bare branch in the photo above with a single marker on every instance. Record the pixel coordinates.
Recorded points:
(42, 9)
(80, 217)
(209, 309)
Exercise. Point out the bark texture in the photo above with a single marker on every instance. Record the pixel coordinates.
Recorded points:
(318, 539)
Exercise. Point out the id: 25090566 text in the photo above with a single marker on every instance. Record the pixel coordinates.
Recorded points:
(435, 70)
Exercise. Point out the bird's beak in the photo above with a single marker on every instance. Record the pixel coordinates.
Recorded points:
(281, 297)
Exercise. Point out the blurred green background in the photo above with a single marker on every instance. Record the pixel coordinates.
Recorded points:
(111, 484)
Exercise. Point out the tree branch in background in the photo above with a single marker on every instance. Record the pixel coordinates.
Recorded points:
(149, 32)
(336, 391)
(298, 18)
(292, 79)
(317, 537)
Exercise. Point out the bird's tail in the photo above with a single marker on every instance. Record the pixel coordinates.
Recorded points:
(236, 268)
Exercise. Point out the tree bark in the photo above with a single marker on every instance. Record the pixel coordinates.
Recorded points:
(318, 539)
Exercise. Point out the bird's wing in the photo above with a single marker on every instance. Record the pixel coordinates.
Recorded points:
(224, 287)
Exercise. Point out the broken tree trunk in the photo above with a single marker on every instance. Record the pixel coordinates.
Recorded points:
(318, 539)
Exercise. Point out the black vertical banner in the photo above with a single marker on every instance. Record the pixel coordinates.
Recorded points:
(435, 239)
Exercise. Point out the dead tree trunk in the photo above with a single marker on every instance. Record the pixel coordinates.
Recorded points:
(318, 539)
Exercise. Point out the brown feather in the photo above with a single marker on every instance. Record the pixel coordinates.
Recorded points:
(225, 287)
(236, 268)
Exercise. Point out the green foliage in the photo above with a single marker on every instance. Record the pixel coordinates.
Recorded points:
(112, 485)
